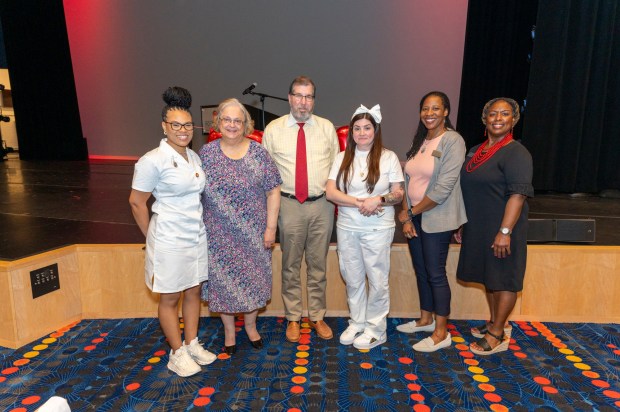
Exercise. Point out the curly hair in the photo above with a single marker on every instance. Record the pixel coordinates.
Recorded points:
(516, 114)
(176, 98)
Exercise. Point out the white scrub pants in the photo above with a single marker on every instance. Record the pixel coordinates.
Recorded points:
(366, 255)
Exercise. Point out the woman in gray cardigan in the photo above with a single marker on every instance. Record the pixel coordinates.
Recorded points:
(432, 210)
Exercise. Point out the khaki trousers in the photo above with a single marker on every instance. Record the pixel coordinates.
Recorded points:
(305, 229)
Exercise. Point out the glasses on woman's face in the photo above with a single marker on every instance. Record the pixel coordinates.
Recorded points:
(177, 126)
(228, 120)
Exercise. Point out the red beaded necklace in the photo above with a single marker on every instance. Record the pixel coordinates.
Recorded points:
(481, 156)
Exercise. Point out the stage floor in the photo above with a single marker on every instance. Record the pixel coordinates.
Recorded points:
(47, 205)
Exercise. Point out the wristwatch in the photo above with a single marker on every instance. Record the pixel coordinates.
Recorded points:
(505, 231)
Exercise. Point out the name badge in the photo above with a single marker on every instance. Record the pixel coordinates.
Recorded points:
(436, 153)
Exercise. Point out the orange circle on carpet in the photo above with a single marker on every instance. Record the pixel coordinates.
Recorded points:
(366, 365)
(612, 394)
(406, 361)
(411, 377)
(471, 362)
(549, 389)
(600, 383)
(487, 387)
(31, 399)
(132, 386)
(297, 389)
(414, 387)
(420, 407)
(202, 401)
(417, 397)
(208, 391)
(492, 397)
(541, 380)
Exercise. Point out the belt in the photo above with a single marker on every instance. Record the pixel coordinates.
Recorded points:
(309, 199)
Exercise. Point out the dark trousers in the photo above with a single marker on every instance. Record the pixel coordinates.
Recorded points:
(429, 252)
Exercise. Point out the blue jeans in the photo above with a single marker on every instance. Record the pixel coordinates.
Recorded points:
(429, 252)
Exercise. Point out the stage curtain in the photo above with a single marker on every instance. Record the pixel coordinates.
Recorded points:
(572, 126)
(498, 44)
(47, 117)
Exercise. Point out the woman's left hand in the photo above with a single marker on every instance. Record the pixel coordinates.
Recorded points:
(370, 205)
(269, 238)
(501, 246)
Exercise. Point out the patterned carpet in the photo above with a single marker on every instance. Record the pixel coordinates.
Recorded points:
(120, 365)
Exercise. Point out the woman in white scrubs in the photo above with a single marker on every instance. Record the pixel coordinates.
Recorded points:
(176, 240)
(365, 181)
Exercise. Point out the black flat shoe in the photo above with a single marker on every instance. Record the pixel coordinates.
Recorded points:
(257, 344)
(230, 350)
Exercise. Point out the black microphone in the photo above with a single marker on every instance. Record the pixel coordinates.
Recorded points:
(4, 118)
(249, 89)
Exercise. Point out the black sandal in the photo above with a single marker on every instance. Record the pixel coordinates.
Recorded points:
(483, 329)
(486, 347)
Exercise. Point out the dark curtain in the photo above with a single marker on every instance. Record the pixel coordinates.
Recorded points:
(572, 126)
(498, 44)
(43, 88)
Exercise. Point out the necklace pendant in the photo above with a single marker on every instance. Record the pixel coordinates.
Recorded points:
(423, 149)
(197, 175)
(361, 174)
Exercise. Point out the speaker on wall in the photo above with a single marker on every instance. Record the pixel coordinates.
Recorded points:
(561, 230)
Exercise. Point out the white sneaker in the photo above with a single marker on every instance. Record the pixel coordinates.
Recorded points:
(428, 345)
(199, 354)
(349, 335)
(365, 341)
(182, 363)
(412, 327)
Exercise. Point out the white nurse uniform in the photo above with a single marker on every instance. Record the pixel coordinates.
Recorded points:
(176, 243)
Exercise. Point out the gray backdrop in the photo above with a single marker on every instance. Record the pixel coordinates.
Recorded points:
(126, 52)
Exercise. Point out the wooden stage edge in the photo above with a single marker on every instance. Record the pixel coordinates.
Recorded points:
(563, 283)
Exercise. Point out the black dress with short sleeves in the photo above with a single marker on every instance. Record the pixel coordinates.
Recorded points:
(486, 191)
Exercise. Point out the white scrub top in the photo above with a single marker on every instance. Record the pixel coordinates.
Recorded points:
(176, 243)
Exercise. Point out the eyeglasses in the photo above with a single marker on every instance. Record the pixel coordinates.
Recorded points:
(299, 97)
(228, 120)
(177, 126)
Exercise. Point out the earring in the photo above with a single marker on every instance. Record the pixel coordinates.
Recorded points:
(165, 133)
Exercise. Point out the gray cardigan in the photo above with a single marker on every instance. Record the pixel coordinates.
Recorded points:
(444, 188)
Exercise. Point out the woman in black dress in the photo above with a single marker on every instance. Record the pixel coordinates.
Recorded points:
(496, 180)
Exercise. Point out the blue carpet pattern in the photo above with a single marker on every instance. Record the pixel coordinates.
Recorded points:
(120, 365)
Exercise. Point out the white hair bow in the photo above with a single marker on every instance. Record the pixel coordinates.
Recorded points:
(375, 112)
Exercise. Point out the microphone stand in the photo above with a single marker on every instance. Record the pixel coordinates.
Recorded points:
(262, 104)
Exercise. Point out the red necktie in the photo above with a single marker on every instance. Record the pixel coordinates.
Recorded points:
(301, 167)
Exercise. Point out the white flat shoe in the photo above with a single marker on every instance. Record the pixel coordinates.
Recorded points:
(412, 327)
(428, 345)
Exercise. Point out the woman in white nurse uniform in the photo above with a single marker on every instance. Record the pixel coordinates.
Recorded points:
(176, 240)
